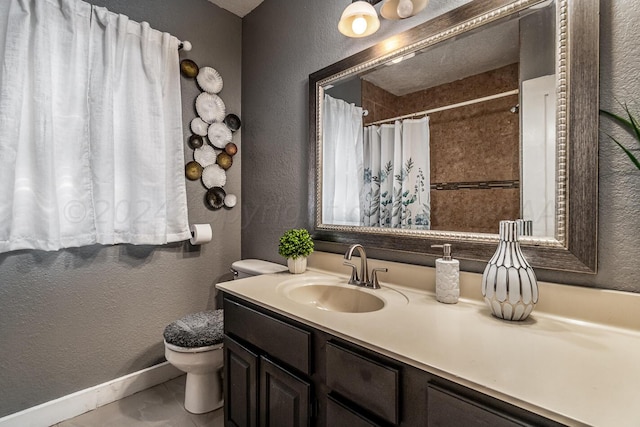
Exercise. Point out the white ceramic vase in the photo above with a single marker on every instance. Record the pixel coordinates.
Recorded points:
(509, 285)
(297, 265)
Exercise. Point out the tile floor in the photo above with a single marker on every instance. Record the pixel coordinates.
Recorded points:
(161, 406)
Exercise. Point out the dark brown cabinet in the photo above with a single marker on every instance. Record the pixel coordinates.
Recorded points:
(280, 373)
(255, 386)
(240, 385)
(449, 410)
(285, 400)
(266, 361)
(339, 414)
(363, 381)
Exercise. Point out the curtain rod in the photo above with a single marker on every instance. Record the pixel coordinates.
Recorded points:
(185, 45)
(449, 107)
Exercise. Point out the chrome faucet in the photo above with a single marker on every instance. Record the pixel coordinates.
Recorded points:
(362, 279)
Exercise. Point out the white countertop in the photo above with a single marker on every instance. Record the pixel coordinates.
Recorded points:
(574, 370)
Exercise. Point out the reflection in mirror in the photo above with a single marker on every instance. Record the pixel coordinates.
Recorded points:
(452, 138)
(505, 93)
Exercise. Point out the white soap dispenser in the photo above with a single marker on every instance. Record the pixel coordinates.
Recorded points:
(447, 276)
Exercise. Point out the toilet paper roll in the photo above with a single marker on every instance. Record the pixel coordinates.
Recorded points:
(200, 233)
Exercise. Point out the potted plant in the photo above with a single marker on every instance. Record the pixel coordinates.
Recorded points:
(631, 125)
(296, 245)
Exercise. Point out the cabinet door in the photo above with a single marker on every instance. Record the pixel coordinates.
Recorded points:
(284, 398)
(240, 385)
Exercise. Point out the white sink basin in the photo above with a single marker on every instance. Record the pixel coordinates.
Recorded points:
(333, 294)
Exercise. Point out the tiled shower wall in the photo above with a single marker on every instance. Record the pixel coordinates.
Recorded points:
(475, 161)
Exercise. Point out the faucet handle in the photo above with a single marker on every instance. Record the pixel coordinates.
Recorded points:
(353, 280)
(375, 284)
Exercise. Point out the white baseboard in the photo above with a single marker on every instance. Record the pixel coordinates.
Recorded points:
(82, 401)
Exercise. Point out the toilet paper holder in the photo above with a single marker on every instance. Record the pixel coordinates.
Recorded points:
(200, 234)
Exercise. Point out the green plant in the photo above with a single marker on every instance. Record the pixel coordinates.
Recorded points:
(631, 125)
(295, 243)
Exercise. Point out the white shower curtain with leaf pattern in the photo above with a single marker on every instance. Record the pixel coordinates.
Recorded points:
(90, 129)
(396, 175)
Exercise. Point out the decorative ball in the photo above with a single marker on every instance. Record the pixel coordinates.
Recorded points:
(215, 197)
(230, 200)
(195, 141)
(193, 170)
(224, 160)
(188, 68)
(231, 149)
(232, 121)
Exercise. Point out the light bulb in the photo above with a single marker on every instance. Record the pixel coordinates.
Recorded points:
(405, 8)
(359, 25)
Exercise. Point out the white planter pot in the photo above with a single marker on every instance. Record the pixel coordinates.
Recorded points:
(297, 265)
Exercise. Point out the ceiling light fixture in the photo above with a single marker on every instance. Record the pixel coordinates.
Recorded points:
(359, 19)
(400, 9)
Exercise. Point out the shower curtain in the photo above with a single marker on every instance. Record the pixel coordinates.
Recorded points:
(90, 129)
(396, 175)
(342, 175)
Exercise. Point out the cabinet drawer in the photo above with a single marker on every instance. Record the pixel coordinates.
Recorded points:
(449, 409)
(287, 343)
(364, 381)
(340, 415)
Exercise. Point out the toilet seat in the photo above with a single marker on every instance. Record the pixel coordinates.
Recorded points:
(192, 349)
(194, 332)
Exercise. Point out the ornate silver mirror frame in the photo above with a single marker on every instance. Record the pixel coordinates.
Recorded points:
(574, 247)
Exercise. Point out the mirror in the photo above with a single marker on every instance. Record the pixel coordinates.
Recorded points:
(482, 141)
(485, 113)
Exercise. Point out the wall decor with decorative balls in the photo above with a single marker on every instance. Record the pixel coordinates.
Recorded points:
(212, 134)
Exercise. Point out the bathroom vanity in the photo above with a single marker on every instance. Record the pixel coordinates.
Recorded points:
(280, 372)
(416, 361)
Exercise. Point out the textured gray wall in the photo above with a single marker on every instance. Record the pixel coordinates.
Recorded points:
(282, 43)
(76, 318)
(285, 41)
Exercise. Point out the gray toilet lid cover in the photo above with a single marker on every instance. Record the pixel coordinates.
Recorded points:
(196, 330)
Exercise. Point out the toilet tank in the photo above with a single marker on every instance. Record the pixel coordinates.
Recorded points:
(255, 267)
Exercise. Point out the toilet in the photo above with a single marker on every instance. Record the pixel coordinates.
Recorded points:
(255, 267)
(193, 344)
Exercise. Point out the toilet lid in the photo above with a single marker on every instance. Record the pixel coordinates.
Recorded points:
(255, 267)
(200, 329)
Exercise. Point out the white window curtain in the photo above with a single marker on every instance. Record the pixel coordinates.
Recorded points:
(342, 168)
(396, 175)
(90, 129)
(136, 133)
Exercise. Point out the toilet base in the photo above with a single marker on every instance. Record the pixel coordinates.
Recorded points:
(203, 392)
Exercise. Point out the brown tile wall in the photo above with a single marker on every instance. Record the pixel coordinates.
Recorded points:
(475, 143)
(477, 211)
(380, 103)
